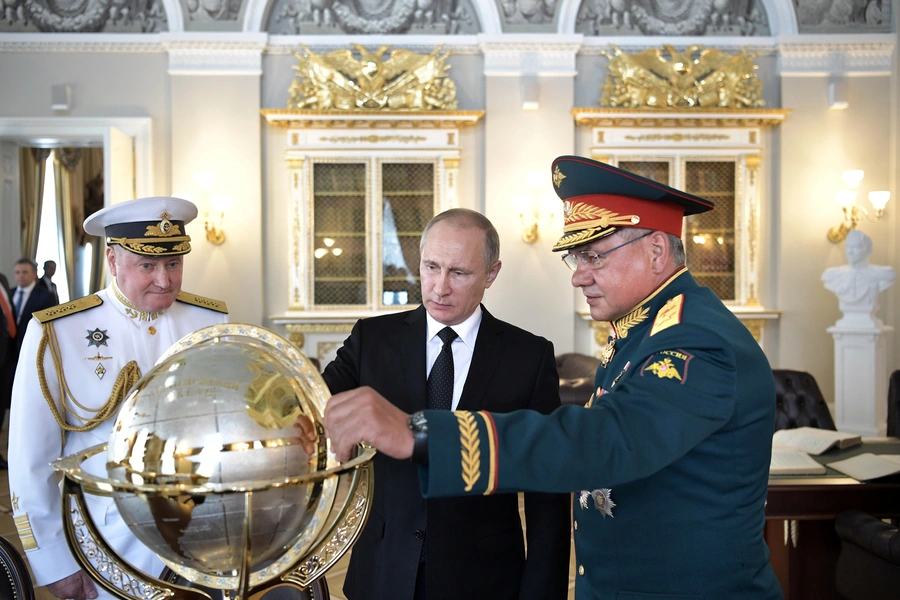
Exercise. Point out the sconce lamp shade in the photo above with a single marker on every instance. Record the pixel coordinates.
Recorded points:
(879, 199)
(853, 177)
(845, 198)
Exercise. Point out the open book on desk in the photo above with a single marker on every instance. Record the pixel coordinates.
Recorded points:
(814, 441)
(787, 461)
(864, 467)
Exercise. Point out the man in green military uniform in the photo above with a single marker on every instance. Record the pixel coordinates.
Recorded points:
(669, 458)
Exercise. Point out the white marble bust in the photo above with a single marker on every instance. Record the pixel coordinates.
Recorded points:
(858, 284)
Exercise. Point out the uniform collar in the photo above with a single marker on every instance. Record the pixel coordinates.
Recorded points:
(127, 308)
(645, 307)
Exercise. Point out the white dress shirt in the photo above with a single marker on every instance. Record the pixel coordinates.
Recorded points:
(26, 294)
(462, 347)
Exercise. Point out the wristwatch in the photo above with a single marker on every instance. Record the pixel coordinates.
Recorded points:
(418, 424)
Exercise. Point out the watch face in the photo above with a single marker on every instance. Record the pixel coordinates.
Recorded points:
(418, 422)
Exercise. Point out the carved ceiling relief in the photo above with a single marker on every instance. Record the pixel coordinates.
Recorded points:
(83, 16)
(527, 12)
(441, 17)
(828, 16)
(210, 11)
(672, 17)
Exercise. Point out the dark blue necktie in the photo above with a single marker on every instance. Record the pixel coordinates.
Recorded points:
(18, 302)
(440, 381)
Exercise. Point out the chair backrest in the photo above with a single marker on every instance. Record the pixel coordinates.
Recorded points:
(799, 402)
(15, 581)
(893, 416)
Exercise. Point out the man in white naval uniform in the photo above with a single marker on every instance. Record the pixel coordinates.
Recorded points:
(77, 363)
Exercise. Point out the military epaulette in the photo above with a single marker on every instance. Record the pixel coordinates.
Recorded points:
(668, 315)
(69, 308)
(216, 305)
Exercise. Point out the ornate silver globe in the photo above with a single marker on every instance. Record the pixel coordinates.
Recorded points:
(209, 468)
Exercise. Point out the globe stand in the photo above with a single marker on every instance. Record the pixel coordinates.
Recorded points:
(209, 472)
(119, 578)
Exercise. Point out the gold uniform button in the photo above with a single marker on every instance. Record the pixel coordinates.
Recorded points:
(152, 330)
(581, 570)
(576, 525)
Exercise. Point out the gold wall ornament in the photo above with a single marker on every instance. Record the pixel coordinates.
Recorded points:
(696, 78)
(338, 80)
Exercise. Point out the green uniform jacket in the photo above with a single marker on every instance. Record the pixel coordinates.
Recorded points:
(679, 429)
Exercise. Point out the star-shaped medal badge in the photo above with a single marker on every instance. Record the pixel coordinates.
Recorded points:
(603, 501)
(583, 497)
(97, 337)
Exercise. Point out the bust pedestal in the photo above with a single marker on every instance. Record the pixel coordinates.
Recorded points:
(860, 378)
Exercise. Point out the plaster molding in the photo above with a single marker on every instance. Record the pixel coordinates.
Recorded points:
(132, 43)
(513, 55)
(593, 46)
(824, 56)
(215, 53)
(457, 44)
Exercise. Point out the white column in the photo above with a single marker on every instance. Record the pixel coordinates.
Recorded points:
(860, 378)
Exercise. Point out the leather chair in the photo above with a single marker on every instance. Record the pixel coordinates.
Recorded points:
(893, 416)
(798, 401)
(15, 580)
(868, 567)
(576, 377)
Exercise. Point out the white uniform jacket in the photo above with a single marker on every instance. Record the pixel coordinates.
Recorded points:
(94, 345)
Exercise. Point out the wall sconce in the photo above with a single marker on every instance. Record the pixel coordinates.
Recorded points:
(853, 213)
(535, 207)
(328, 249)
(215, 234)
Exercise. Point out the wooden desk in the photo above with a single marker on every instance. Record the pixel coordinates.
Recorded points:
(800, 513)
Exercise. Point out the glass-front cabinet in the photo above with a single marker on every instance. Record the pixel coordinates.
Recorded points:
(362, 188)
(717, 155)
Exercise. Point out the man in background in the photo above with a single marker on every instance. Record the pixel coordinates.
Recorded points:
(669, 459)
(451, 353)
(46, 279)
(66, 399)
(28, 296)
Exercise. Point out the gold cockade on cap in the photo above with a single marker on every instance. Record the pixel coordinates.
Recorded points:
(557, 176)
(665, 78)
(165, 227)
(405, 81)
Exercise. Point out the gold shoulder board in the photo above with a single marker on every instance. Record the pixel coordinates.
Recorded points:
(69, 308)
(216, 305)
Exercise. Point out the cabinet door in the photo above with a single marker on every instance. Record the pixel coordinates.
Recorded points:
(710, 237)
(407, 204)
(339, 217)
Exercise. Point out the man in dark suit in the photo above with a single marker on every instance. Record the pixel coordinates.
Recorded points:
(471, 548)
(27, 297)
(46, 279)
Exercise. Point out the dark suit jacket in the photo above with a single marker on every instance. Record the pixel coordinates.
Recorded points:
(48, 285)
(39, 299)
(474, 545)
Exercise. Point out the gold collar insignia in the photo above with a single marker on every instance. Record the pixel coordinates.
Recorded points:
(131, 310)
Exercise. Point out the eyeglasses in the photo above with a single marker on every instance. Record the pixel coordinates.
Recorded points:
(594, 260)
